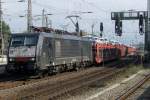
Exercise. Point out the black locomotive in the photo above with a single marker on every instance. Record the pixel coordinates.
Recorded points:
(49, 52)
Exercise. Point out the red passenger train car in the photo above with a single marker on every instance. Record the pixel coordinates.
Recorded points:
(132, 51)
(123, 49)
(104, 51)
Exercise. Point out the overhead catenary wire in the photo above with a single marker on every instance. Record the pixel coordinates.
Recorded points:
(83, 3)
(62, 11)
(96, 7)
(50, 7)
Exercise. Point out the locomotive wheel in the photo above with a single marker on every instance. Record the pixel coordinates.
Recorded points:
(50, 70)
(83, 65)
(7, 69)
(39, 73)
(77, 68)
(58, 69)
(18, 69)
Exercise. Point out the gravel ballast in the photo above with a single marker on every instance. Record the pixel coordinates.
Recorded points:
(116, 90)
(110, 88)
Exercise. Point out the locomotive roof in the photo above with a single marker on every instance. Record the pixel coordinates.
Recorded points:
(52, 34)
(65, 36)
(27, 34)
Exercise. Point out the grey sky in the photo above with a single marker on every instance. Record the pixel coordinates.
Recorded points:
(61, 8)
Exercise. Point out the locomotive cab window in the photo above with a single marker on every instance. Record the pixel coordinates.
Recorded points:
(24, 41)
(17, 41)
(31, 41)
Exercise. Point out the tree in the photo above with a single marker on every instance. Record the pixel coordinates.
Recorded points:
(6, 36)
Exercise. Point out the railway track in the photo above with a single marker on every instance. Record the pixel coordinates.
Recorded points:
(57, 85)
(48, 89)
(14, 80)
(133, 89)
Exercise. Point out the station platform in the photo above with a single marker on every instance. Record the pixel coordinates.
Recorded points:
(3, 63)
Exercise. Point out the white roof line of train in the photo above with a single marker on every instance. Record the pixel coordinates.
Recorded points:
(101, 40)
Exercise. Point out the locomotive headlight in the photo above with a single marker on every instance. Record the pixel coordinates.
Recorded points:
(32, 59)
(11, 59)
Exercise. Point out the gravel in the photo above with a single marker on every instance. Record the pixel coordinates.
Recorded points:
(120, 88)
(143, 93)
(7, 82)
(94, 91)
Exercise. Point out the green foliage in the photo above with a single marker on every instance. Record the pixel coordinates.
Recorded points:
(6, 31)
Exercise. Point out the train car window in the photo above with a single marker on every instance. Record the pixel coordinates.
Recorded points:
(58, 48)
(17, 41)
(24, 40)
(31, 40)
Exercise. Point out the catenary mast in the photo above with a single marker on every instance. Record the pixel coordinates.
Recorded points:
(29, 19)
(148, 9)
(147, 30)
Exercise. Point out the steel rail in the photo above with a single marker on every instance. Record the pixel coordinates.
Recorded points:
(42, 90)
(74, 84)
(47, 89)
(133, 89)
(23, 79)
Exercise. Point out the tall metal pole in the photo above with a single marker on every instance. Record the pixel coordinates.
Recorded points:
(46, 21)
(147, 32)
(148, 6)
(29, 19)
(148, 9)
(43, 18)
(92, 28)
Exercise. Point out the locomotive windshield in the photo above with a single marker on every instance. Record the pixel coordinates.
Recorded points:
(24, 41)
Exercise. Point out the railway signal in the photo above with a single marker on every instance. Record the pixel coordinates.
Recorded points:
(144, 24)
(101, 29)
(141, 24)
(130, 15)
(118, 27)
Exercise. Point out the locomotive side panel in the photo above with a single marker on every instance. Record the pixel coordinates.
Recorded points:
(87, 51)
(46, 55)
(39, 51)
(67, 51)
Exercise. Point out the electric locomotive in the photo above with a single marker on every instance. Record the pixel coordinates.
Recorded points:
(49, 52)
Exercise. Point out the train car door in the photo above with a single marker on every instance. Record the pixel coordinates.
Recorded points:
(46, 55)
(50, 51)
